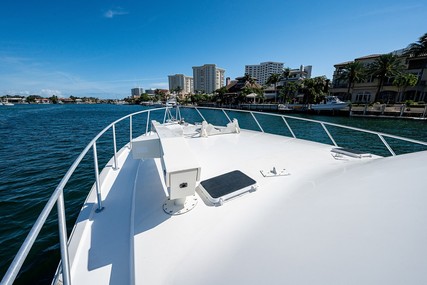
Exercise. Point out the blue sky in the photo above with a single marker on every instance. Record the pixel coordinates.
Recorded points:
(105, 48)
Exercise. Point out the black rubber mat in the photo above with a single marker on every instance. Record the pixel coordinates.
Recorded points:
(227, 183)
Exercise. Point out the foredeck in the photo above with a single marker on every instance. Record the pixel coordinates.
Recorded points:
(328, 222)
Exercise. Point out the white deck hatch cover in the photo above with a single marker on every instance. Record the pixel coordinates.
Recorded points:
(226, 186)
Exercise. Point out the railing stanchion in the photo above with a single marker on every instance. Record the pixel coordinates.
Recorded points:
(329, 134)
(289, 127)
(256, 121)
(164, 118)
(148, 122)
(178, 111)
(387, 145)
(226, 115)
(200, 114)
(115, 147)
(97, 184)
(130, 132)
(63, 239)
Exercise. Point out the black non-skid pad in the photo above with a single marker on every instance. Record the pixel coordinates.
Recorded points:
(227, 183)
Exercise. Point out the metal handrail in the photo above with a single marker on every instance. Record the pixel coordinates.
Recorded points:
(322, 123)
(57, 195)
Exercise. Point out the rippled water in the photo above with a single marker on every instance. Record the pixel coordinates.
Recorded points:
(40, 142)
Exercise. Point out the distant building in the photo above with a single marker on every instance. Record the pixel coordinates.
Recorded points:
(364, 92)
(300, 73)
(263, 70)
(208, 78)
(182, 81)
(137, 92)
(150, 91)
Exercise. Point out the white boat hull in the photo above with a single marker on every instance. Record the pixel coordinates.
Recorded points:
(337, 106)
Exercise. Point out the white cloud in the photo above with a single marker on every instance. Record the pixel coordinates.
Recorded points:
(50, 92)
(115, 12)
(27, 76)
(160, 85)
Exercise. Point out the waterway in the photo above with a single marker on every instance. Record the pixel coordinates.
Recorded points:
(40, 142)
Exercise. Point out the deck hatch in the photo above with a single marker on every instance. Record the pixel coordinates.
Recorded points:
(226, 186)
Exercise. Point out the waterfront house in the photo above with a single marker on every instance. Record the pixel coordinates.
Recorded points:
(364, 92)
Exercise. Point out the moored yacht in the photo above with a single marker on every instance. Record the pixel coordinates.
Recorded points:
(218, 196)
(330, 103)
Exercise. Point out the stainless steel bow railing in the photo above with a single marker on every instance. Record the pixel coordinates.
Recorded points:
(381, 136)
(57, 197)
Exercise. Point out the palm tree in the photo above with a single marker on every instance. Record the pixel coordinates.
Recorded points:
(288, 91)
(251, 89)
(418, 48)
(314, 88)
(273, 79)
(249, 79)
(385, 66)
(286, 73)
(178, 90)
(220, 93)
(353, 72)
(403, 81)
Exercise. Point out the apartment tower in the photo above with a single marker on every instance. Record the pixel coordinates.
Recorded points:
(263, 70)
(182, 81)
(208, 78)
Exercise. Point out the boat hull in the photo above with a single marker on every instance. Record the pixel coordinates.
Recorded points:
(338, 106)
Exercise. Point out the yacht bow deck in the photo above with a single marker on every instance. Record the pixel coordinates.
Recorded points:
(327, 222)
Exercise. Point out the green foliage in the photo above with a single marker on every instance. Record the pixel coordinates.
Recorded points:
(33, 98)
(405, 80)
(273, 79)
(286, 73)
(353, 72)
(289, 90)
(418, 48)
(54, 99)
(385, 66)
(161, 94)
(198, 98)
(409, 103)
(314, 89)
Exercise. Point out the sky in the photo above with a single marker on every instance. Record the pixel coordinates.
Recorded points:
(103, 48)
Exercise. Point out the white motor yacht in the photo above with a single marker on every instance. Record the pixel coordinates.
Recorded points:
(330, 103)
(244, 203)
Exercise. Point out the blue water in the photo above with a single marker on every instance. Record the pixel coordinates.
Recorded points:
(40, 142)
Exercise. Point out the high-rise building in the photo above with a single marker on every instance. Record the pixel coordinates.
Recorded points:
(136, 92)
(263, 70)
(182, 81)
(208, 78)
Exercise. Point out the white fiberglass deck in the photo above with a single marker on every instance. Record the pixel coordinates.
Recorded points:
(331, 221)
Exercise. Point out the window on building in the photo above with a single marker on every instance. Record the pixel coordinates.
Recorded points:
(363, 97)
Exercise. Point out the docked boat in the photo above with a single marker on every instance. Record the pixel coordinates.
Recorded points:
(216, 196)
(284, 107)
(171, 102)
(147, 103)
(330, 103)
(7, 103)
